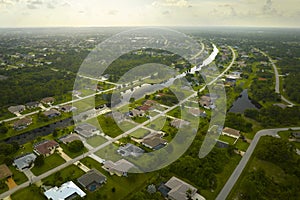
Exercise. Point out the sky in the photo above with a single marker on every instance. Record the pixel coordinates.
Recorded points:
(56, 13)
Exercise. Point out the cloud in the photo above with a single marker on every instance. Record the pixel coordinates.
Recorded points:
(172, 3)
(166, 12)
(268, 8)
(34, 4)
(112, 12)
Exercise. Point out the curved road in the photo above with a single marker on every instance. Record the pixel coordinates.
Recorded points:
(242, 164)
(277, 82)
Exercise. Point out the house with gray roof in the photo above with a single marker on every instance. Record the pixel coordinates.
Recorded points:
(120, 168)
(33, 104)
(16, 109)
(22, 123)
(92, 180)
(130, 150)
(86, 130)
(176, 189)
(51, 113)
(24, 161)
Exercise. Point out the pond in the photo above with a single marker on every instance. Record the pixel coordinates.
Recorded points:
(243, 103)
(39, 132)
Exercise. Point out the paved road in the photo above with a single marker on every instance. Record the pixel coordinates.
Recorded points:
(242, 164)
(92, 151)
(277, 81)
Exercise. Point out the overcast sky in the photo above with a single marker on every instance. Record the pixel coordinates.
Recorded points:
(33, 13)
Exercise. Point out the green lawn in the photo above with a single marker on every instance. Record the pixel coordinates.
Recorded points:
(241, 145)
(140, 133)
(18, 176)
(70, 173)
(28, 193)
(70, 153)
(123, 186)
(227, 139)
(176, 112)
(139, 119)
(50, 163)
(96, 140)
(157, 124)
(109, 126)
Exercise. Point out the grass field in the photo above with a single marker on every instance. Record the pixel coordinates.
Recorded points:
(157, 124)
(70, 153)
(18, 176)
(50, 163)
(96, 140)
(69, 173)
(28, 193)
(140, 133)
(123, 186)
(227, 139)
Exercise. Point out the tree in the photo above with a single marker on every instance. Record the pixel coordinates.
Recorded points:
(76, 146)
(39, 161)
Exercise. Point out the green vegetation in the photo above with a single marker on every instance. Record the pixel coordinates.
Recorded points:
(50, 162)
(271, 173)
(29, 193)
(237, 121)
(19, 177)
(140, 133)
(70, 153)
(70, 173)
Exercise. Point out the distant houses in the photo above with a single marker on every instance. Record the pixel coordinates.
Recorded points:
(197, 112)
(22, 123)
(92, 180)
(179, 123)
(46, 147)
(51, 113)
(48, 100)
(67, 108)
(32, 105)
(120, 168)
(16, 109)
(24, 161)
(86, 130)
(66, 191)
(176, 189)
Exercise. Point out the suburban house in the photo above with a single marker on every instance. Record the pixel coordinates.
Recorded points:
(179, 123)
(117, 116)
(205, 101)
(5, 172)
(24, 161)
(86, 130)
(176, 189)
(33, 104)
(66, 191)
(136, 113)
(16, 109)
(120, 168)
(46, 147)
(144, 108)
(67, 108)
(51, 113)
(48, 100)
(130, 150)
(154, 141)
(22, 123)
(92, 180)
(197, 112)
(69, 138)
(150, 103)
(231, 132)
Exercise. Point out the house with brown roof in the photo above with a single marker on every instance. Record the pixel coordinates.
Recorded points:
(48, 100)
(136, 113)
(197, 112)
(179, 123)
(154, 141)
(231, 132)
(176, 189)
(46, 147)
(51, 113)
(22, 123)
(5, 172)
(205, 101)
(69, 138)
(120, 168)
(150, 103)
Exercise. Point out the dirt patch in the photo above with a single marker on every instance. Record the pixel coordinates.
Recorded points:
(11, 183)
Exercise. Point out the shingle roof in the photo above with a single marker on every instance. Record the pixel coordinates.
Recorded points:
(4, 172)
(45, 147)
(231, 131)
(90, 177)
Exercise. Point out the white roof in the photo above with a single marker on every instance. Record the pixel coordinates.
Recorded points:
(64, 191)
